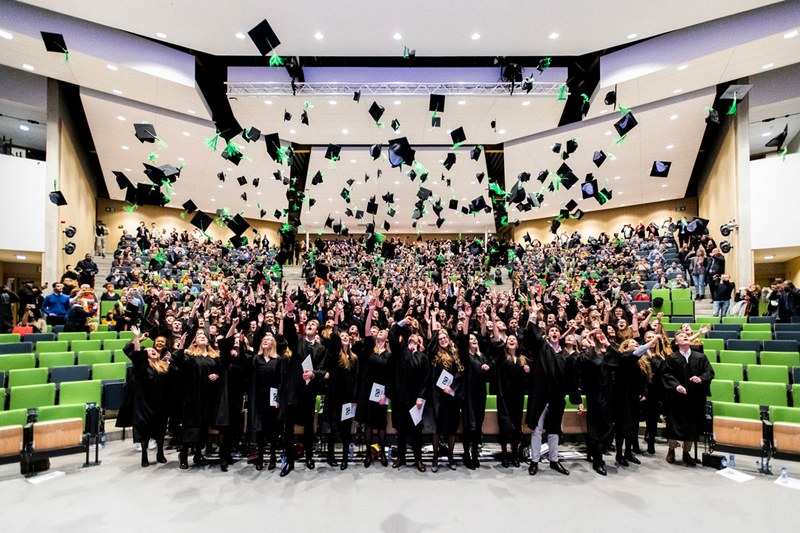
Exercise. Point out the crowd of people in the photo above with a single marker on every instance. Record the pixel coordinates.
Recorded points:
(416, 325)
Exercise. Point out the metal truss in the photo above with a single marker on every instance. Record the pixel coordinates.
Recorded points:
(269, 88)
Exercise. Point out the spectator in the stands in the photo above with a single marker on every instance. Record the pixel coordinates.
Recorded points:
(87, 270)
(110, 295)
(721, 292)
(788, 302)
(69, 279)
(698, 268)
(662, 283)
(674, 268)
(77, 318)
(29, 295)
(7, 298)
(56, 306)
(678, 282)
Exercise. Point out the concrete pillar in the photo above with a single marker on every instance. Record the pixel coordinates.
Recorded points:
(742, 239)
(52, 227)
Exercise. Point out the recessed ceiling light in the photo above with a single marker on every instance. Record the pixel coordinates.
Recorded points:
(462, 102)
(24, 127)
(330, 199)
(120, 117)
(619, 193)
(673, 117)
(258, 192)
(765, 257)
(332, 102)
(767, 65)
(661, 199)
(434, 183)
(187, 134)
(622, 205)
(180, 159)
(397, 182)
(604, 111)
(397, 102)
(213, 199)
(475, 36)
(292, 131)
(124, 147)
(127, 170)
(676, 91)
(670, 146)
(190, 111)
(21, 257)
(6, 35)
(352, 160)
(116, 91)
(616, 177)
(471, 183)
(27, 66)
(112, 67)
(632, 35)
(766, 134)
(790, 34)
(220, 186)
(608, 132)
(397, 36)
(526, 102)
(553, 35)
(477, 221)
(318, 36)
(344, 131)
(501, 132)
(161, 35)
(683, 67)
(241, 36)
(664, 185)
(268, 102)
(230, 169)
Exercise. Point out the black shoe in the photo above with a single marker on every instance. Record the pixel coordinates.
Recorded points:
(331, 462)
(145, 462)
(688, 461)
(451, 464)
(515, 462)
(384, 460)
(621, 461)
(533, 468)
(259, 466)
(600, 469)
(368, 459)
(183, 460)
(558, 467)
(223, 465)
(310, 463)
(397, 463)
(435, 465)
(632, 459)
(651, 449)
(504, 461)
(421, 466)
(343, 466)
(288, 467)
(271, 464)
(161, 459)
(199, 460)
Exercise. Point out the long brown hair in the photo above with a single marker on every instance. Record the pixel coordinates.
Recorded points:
(346, 357)
(162, 367)
(448, 357)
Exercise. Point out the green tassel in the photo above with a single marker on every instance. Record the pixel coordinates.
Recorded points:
(380, 237)
(545, 63)
(161, 143)
(283, 155)
(152, 157)
(180, 167)
(603, 197)
(379, 124)
(584, 97)
(504, 222)
(624, 110)
(130, 208)
(732, 109)
(782, 153)
(233, 149)
(619, 141)
(167, 199)
(405, 52)
(562, 93)
(308, 105)
(379, 261)
(275, 60)
(66, 56)
(212, 142)
(161, 257)
(183, 215)
(55, 187)
(286, 228)
(168, 187)
(495, 188)
(419, 169)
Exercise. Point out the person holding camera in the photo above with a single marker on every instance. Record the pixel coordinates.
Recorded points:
(721, 291)
(100, 232)
(7, 298)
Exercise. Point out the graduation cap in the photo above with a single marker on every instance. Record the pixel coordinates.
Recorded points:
(122, 180)
(589, 187)
(423, 193)
(453, 204)
(227, 126)
(311, 202)
(439, 222)
(475, 153)
(332, 152)
(449, 161)
(146, 133)
(477, 204)
(423, 177)
(386, 225)
(304, 118)
(524, 177)
(57, 198)
(563, 212)
(391, 212)
(660, 169)
(243, 196)
(317, 179)
(604, 196)
(412, 175)
(359, 214)
(400, 152)
(556, 148)
(493, 124)
(277, 175)
(337, 227)
(375, 151)
(713, 116)
(252, 135)
(465, 210)
(357, 96)
(54, 42)
(238, 241)
(542, 176)
(146, 194)
(376, 111)
(261, 214)
(372, 206)
(395, 124)
(578, 214)
(329, 221)
(554, 225)
(572, 204)
(436, 122)
(242, 180)
(235, 157)
(237, 224)
(350, 182)
(264, 37)
(417, 214)
(189, 206)
(778, 140)
(598, 158)
(479, 176)
(569, 179)
(436, 103)
(201, 221)
(517, 194)
(277, 213)
(388, 198)
(458, 136)
(625, 124)
(572, 145)
(286, 115)
(256, 181)
(221, 176)
(697, 226)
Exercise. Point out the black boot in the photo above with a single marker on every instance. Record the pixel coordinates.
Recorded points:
(183, 458)
(515, 455)
(160, 458)
(260, 459)
(476, 460)
(468, 457)
(345, 458)
(504, 456)
(145, 460)
(198, 458)
(384, 460)
(271, 465)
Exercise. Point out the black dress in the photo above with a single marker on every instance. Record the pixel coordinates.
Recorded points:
(199, 403)
(446, 408)
(512, 384)
(475, 379)
(149, 405)
(264, 379)
(595, 379)
(374, 369)
(686, 412)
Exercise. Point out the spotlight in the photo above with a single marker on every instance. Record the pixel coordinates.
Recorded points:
(725, 246)
(69, 248)
(727, 229)
(70, 231)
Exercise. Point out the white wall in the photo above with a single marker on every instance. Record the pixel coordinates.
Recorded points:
(775, 202)
(23, 194)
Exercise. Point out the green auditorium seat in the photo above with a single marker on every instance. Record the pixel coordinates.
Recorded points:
(666, 308)
(52, 346)
(106, 307)
(115, 344)
(786, 428)
(15, 417)
(102, 335)
(722, 390)
(707, 320)
(728, 371)
(72, 336)
(27, 376)
(100, 327)
(762, 393)
(666, 294)
(92, 357)
(6, 338)
(80, 392)
(120, 357)
(61, 412)
(757, 327)
(738, 356)
(2, 398)
(127, 335)
(109, 371)
(669, 326)
(784, 414)
(734, 320)
(574, 407)
(683, 307)
(29, 396)
(53, 359)
(736, 410)
(491, 402)
(81, 346)
(756, 335)
(768, 373)
(147, 343)
(17, 360)
(713, 344)
(679, 295)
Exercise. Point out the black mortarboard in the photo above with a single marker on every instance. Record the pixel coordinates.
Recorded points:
(493, 124)
(423, 193)
(395, 124)
(598, 158)
(572, 204)
(58, 198)
(388, 198)
(350, 182)
(458, 136)
(311, 202)
(238, 241)
(235, 157)
(449, 161)
(660, 169)
(542, 176)
(479, 176)
(273, 142)
(54, 42)
(477, 204)
(527, 237)
(262, 213)
(391, 212)
(264, 37)
(475, 153)
(436, 103)
(348, 212)
(329, 222)
(147, 194)
(237, 224)
(256, 181)
(556, 148)
(563, 170)
(332, 152)
(564, 212)
(221, 176)
(359, 214)
(376, 111)
(201, 221)
(436, 122)
(400, 152)
(589, 188)
(517, 194)
(317, 179)
(524, 177)
(160, 174)
(146, 133)
(386, 225)
(578, 214)
(713, 116)
(569, 179)
(437, 207)
(417, 214)
(572, 145)
(465, 210)
(130, 195)
(304, 118)
(554, 225)
(227, 126)
(189, 206)
(243, 196)
(345, 194)
(453, 204)
(611, 98)
(242, 180)
(439, 222)
(357, 96)
(277, 213)
(252, 135)
(375, 151)
(372, 206)
(625, 124)
(286, 115)
(337, 227)
(604, 196)
(370, 228)
(277, 175)
(778, 140)
(122, 180)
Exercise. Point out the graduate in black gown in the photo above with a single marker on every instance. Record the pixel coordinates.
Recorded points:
(448, 397)
(477, 370)
(230, 388)
(409, 388)
(513, 382)
(651, 366)
(263, 385)
(342, 393)
(628, 394)
(149, 408)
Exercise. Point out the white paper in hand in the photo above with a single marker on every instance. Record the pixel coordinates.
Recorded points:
(348, 411)
(273, 397)
(308, 366)
(416, 414)
(446, 380)
(378, 390)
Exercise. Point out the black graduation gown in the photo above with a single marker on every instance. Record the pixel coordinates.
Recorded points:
(149, 406)
(265, 374)
(686, 412)
(626, 389)
(374, 368)
(512, 384)
(410, 373)
(343, 387)
(230, 385)
(199, 395)
(596, 383)
(654, 391)
(297, 398)
(475, 379)
(446, 408)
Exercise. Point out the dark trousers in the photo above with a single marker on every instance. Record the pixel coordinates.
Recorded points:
(407, 431)
(53, 320)
(302, 417)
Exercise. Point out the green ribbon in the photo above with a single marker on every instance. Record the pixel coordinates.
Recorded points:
(782, 153)
(618, 141)
(308, 105)
(585, 97)
(233, 149)
(183, 215)
(406, 51)
(624, 110)
(130, 208)
(161, 142)
(275, 60)
(545, 63)
(562, 93)
(732, 109)
(212, 142)
(152, 157)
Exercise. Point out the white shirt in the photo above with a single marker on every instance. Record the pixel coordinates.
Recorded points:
(686, 354)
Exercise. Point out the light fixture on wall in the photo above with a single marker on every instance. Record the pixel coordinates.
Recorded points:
(727, 229)
(70, 231)
(69, 248)
(725, 246)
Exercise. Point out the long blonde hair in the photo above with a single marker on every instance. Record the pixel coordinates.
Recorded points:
(346, 357)
(194, 351)
(162, 367)
(448, 357)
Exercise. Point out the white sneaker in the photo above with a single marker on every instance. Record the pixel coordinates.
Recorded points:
(139, 447)
(151, 445)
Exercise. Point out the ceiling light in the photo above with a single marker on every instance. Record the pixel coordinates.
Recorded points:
(213, 199)
(397, 182)
(318, 36)
(475, 36)
(765, 257)
(673, 117)
(220, 186)
(397, 102)
(26, 66)
(501, 132)
(292, 131)
(790, 34)
(622, 205)
(6, 35)
(127, 170)
(112, 67)
(344, 131)
(434, 183)
(332, 102)
(124, 147)
(664, 185)
(116, 91)
(766, 66)
(268, 102)
(618, 193)
(632, 35)
(180, 159)
(676, 91)
(352, 160)
(120, 117)
(230, 169)
(616, 177)
(241, 35)
(670, 146)
(397, 36)
(161, 35)
(462, 102)
(683, 67)
(24, 127)
(766, 134)
(190, 111)
(526, 102)
(21, 257)
(661, 199)
(608, 132)
(553, 35)
(604, 111)
(330, 199)
(187, 134)
(258, 192)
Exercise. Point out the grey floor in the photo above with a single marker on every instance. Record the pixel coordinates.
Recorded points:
(119, 495)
